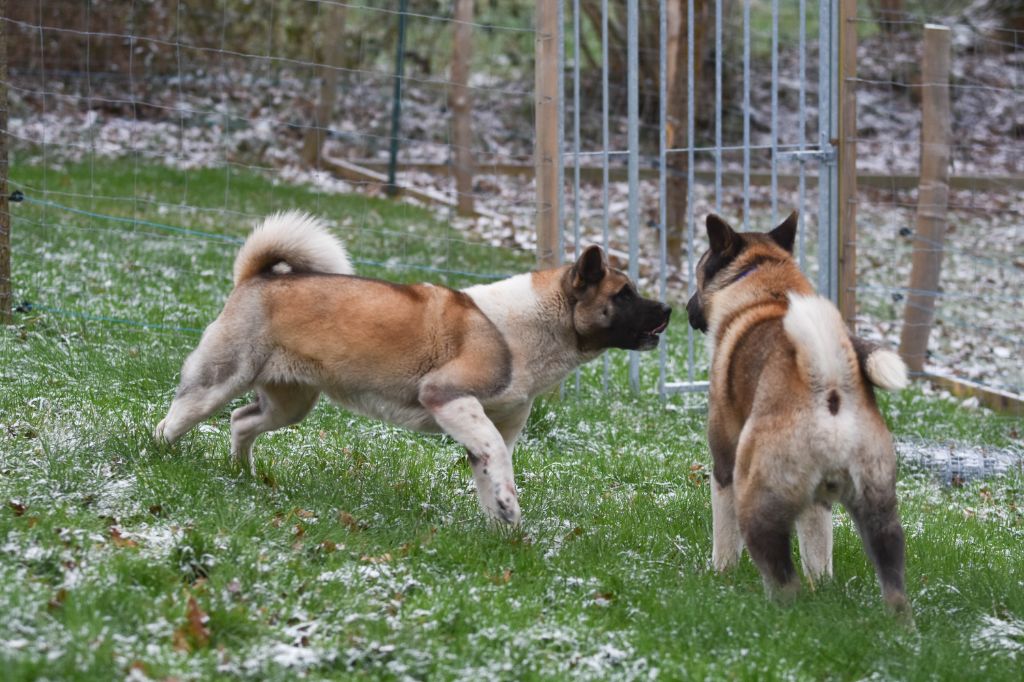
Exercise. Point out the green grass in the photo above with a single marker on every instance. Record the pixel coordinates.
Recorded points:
(360, 549)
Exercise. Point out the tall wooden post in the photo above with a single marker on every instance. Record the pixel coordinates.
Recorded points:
(847, 232)
(5, 213)
(333, 28)
(932, 197)
(546, 152)
(461, 105)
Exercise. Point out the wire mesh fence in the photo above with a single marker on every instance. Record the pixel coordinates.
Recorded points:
(159, 132)
(978, 332)
(738, 108)
(153, 131)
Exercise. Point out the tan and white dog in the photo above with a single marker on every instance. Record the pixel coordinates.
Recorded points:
(793, 425)
(469, 363)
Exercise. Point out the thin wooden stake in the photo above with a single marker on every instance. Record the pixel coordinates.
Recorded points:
(848, 161)
(546, 120)
(313, 142)
(462, 106)
(5, 214)
(932, 198)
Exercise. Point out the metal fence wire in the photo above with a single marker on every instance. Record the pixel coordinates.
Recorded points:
(712, 150)
(752, 130)
(159, 132)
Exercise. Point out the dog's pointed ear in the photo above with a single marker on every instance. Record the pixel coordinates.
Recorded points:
(721, 236)
(590, 267)
(785, 234)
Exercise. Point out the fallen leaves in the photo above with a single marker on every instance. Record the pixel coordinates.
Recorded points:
(698, 474)
(58, 600)
(194, 633)
(120, 541)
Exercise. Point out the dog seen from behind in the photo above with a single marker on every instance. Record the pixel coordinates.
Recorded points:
(793, 426)
(468, 363)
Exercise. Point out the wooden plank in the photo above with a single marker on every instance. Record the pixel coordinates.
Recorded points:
(461, 105)
(992, 398)
(357, 174)
(932, 197)
(546, 152)
(848, 161)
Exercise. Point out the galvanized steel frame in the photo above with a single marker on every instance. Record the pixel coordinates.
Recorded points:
(821, 155)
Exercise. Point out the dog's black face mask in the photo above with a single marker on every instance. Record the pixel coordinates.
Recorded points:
(608, 312)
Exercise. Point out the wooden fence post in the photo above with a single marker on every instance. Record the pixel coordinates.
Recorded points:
(5, 213)
(334, 27)
(462, 106)
(546, 152)
(932, 198)
(847, 150)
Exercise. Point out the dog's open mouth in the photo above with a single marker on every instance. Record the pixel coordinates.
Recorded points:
(657, 330)
(651, 338)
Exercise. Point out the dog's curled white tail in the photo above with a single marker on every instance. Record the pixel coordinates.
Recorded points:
(886, 370)
(291, 241)
(824, 351)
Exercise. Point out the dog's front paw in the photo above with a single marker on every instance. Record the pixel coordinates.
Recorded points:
(506, 505)
(158, 432)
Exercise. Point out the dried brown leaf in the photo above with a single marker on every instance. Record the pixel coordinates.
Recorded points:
(197, 620)
(349, 521)
(121, 541)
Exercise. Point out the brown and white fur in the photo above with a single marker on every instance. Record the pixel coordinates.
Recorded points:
(793, 425)
(467, 363)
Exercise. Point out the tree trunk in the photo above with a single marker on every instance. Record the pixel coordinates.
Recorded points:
(676, 135)
(460, 103)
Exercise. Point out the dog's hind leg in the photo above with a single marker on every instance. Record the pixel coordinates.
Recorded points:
(814, 533)
(212, 375)
(727, 541)
(878, 522)
(766, 520)
(463, 418)
(276, 406)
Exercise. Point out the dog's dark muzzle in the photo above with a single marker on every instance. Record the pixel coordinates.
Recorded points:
(649, 338)
(695, 314)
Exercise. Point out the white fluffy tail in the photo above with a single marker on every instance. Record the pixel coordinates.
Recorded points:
(291, 241)
(824, 351)
(886, 370)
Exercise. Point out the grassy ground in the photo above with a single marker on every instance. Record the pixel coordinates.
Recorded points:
(359, 551)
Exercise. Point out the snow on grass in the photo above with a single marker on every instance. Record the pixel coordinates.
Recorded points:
(1000, 637)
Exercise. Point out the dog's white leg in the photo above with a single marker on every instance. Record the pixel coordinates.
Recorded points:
(727, 541)
(463, 419)
(814, 533)
(276, 405)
